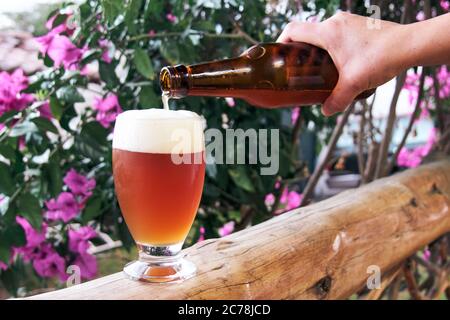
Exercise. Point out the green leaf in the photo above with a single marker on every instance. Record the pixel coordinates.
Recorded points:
(95, 131)
(148, 98)
(11, 278)
(30, 209)
(8, 116)
(170, 52)
(7, 185)
(5, 250)
(60, 18)
(48, 62)
(92, 209)
(7, 151)
(85, 10)
(68, 114)
(143, 63)
(108, 73)
(111, 9)
(53, 172)
(44, 124)
(91, 142)
(56, 108)
(14, 235)
(69, 95)
(132, 13)
(241, 179)
(155, 8)
(23, 128)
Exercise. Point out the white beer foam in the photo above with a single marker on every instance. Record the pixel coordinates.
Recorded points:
(159, 131)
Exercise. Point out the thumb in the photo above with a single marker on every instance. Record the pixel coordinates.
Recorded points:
(341, 97)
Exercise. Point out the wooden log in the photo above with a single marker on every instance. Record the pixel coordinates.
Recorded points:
(321, 251)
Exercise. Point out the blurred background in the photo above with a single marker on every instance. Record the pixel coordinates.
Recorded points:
(68, 68)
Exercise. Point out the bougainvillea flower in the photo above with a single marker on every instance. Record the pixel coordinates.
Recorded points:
(79, 184)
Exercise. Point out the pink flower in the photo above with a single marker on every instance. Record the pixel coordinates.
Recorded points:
(21, 144)
(291, 199)
(79, 244)
(408, 159)
(151, 32)
(269, 200)
(413, 158)
(48, 263)
(202, 234)
(412, 82)
(63, 52)
(46, 40)
(445, 5)
(420, 16)
(45, 111)
(34, 239)
(64, 208)
(3, 266)
(107, 53)
(294, 200)
(78, 239)
(230, 102)
(295, 114)
(443, 77)
(79, 184)
(226, 229)
(171, 18)
(62, 27)
(108, 109)
(87, 264)
(11, 87)
(426, 254)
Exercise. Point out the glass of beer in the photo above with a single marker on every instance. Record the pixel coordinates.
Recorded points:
(159, 170)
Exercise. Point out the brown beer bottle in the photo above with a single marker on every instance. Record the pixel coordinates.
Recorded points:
(265, 75)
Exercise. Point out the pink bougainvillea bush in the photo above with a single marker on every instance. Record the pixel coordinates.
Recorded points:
(412, 157)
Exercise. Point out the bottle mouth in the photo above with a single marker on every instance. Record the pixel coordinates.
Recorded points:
(165, 80)
(173, 81)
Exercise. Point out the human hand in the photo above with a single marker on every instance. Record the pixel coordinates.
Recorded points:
(365, 55)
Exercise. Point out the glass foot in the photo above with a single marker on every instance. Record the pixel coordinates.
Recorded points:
(159, 266)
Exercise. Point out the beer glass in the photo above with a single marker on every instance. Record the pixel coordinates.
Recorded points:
(159, 169)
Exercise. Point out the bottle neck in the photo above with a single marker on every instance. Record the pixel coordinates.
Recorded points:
(174, 81)
(214, 78)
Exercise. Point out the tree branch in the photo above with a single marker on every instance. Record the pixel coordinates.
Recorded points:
(408, 129)
(309, 189)
(182, 34)
(361, 132)
(385, 142)
(244, 34)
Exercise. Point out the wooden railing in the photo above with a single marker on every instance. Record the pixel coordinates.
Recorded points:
(316, 252)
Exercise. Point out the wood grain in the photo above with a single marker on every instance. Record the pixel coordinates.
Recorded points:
(321, 251)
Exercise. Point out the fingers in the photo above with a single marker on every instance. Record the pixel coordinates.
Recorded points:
(308, 32)
(341, 97)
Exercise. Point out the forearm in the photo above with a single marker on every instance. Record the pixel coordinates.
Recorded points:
(427, 42)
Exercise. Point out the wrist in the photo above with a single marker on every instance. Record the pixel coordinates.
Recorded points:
(406, 46)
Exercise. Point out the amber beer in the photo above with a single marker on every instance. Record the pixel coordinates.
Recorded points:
(158, 196)
(266, 75)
